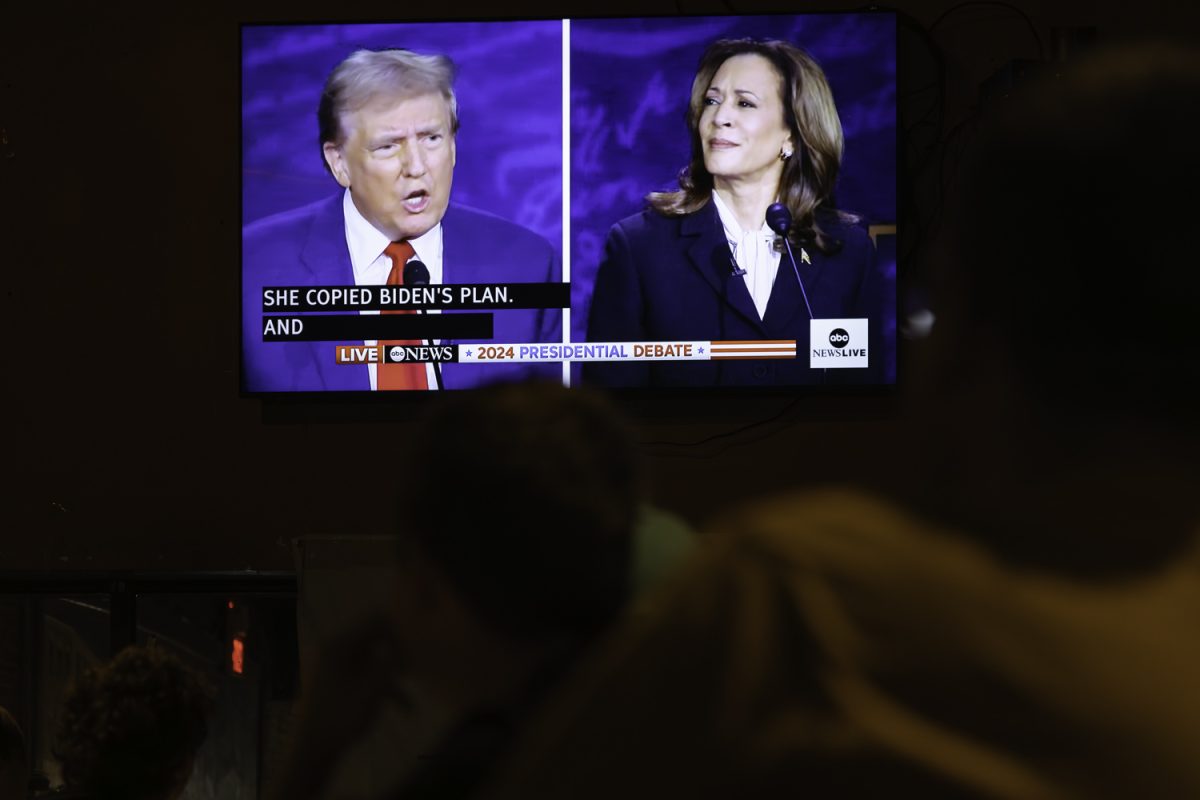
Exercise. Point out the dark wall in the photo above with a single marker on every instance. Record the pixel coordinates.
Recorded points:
(125, 438)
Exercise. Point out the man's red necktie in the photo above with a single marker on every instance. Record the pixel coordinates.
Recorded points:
(399, 376)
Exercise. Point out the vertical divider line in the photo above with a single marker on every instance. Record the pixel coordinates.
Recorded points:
(566, 187)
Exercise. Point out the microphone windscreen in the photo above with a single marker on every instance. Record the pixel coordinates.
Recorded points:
(416, 274)
(779, 219)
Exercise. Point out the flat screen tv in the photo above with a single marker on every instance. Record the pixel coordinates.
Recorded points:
(685, 203)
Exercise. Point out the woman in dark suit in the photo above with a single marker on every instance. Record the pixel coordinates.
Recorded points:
(702, 264)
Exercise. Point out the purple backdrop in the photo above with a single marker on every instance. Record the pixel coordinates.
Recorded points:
(630, 82)
(509, 101)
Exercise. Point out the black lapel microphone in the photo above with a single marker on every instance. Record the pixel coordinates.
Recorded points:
(417, 274)
(779, 219)
(734, 270)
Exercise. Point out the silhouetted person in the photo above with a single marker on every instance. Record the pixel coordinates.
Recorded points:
(515, 538)
(1019, 619)
(130, 729)
(14, 764)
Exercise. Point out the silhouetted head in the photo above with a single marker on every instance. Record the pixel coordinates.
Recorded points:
(1069, 244)
(1058, 389)
(129, 730)
(525, 497)
(14, 765)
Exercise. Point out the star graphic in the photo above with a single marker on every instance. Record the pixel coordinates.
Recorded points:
(700, 350)
(468, 354)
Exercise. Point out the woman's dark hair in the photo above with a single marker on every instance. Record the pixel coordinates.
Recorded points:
(809, 176)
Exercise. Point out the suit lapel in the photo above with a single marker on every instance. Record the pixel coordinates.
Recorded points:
(325, 253)
(787, 302)
(465, 252)
(467, 257)
(327, 258)
(461, 253)
(709, 254)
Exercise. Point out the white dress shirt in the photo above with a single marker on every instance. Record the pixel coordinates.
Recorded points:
(753, 251)
(372, 266)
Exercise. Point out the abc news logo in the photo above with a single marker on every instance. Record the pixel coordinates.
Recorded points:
(403, 354)
(840, 347)
(839, 343)
(395, 354)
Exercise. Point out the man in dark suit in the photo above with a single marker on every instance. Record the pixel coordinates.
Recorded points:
(388, 121)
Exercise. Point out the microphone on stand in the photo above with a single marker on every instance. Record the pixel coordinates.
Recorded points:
(417, 274)
(779, 220)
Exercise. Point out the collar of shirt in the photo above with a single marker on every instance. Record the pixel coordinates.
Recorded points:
(372, 266)
(366, 245)
(754, 252)
(734, 232)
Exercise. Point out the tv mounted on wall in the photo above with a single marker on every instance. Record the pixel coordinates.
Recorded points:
(440, 205)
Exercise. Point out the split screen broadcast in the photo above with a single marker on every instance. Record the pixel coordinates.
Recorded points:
(666, 202)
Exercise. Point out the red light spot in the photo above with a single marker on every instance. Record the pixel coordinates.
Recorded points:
(231, 604)
(238, 656)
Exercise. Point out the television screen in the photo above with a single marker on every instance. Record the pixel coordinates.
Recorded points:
(629, 203)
